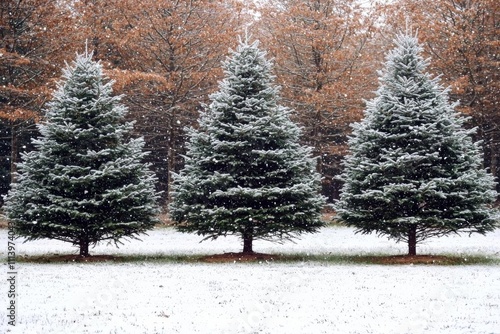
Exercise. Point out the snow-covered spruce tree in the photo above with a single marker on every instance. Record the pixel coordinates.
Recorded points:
(414, 171)
(245, 172)
(85, 181)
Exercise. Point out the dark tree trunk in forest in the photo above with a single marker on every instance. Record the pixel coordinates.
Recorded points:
(412, 240)
(171, 170)
(248, 242)
(13, 154)
(84, 247)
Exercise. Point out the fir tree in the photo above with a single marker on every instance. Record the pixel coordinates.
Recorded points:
(84, 182)
(414, 171)
(245, 172)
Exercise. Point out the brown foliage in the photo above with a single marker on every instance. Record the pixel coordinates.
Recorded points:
(324, 64)
(33, 45)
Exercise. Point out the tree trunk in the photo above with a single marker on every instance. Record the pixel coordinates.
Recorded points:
(412, 240)
(170, 167)
(84, 248)
(171, 155)
(247, 243)
(13, 153)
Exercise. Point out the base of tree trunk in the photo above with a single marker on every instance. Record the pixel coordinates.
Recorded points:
(248, 244)
(84, 248)
(412, 240)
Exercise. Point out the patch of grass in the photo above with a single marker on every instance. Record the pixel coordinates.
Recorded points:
(380, 259)
(329, 218)
(3, 222)
(165, 220)
(333, 259)
(71, 258)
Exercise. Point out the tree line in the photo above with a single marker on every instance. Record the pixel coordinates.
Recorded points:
(165, 57)
(412, 171)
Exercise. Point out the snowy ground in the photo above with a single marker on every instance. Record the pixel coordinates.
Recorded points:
(149, 297)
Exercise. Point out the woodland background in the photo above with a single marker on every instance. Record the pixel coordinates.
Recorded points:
(165, 57)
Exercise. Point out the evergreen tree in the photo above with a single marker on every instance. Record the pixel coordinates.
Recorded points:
(246, 173)
(414, 171)
(84, 182)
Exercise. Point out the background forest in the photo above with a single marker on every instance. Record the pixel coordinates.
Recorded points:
(166, 59)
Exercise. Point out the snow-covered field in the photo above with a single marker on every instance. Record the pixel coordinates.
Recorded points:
(309, 297)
